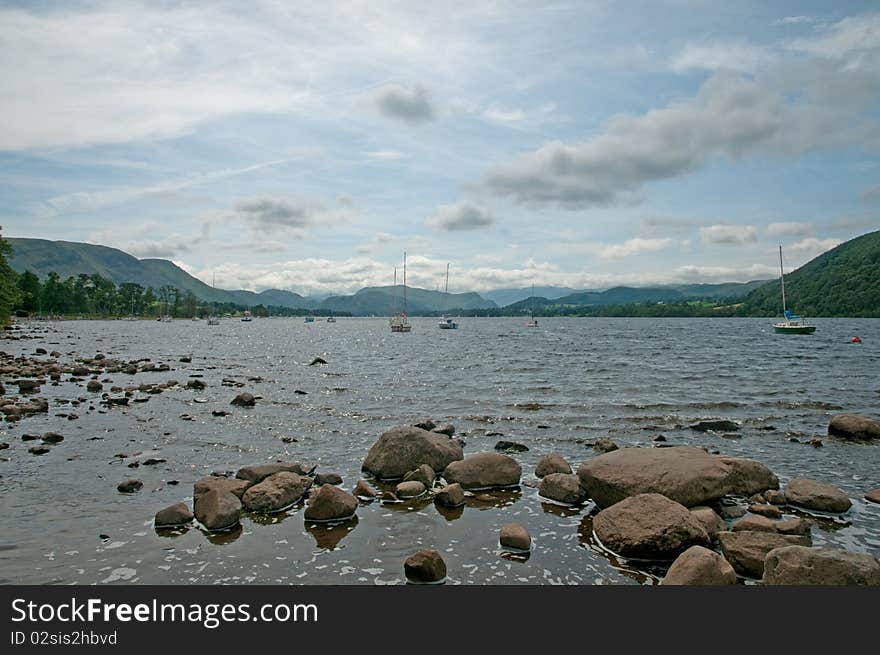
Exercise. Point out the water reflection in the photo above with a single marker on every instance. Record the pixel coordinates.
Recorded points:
(328, 535)
(493, 498)
(562, 511)
(450, 513)
(223, 538)
(172, 532)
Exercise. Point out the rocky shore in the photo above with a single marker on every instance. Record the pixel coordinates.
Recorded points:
(685, 515)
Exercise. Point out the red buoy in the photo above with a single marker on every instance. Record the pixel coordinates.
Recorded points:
(856, 340)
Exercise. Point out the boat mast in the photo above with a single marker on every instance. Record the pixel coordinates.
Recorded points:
(404, 282)
(394, 295)
(446, 293)
(782, 280)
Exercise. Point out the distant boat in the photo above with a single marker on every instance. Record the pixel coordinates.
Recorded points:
(331, 319)
(309, 319)
(247, 317)
(792, 324)
(399, 322)
(447, 323)
(532, 322)
(213, 319)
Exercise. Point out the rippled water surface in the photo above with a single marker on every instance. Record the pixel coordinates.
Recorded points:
(553, 388)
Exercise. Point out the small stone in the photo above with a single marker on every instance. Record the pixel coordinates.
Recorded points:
(515, 536)
(766, 510)
(450, 496)
(511, 447)
(39, 450)
(94, 386)
(330, 503)
(604, 445)
(363, 490)
(317, 360)
(700, 566)
(425, 567)
(447, 429)
(173, 516)
(129, 486)
(328, 478)
(873, 495)
(552, 463)
(411, 489)
(244, 400)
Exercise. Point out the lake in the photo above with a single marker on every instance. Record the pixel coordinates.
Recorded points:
(554, 389)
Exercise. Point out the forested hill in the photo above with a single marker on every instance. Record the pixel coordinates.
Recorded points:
(844, 281)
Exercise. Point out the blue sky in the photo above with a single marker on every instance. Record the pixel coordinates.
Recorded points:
(305, 145)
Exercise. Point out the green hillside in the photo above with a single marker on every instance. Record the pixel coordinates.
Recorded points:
(381, 301)
(844, 281)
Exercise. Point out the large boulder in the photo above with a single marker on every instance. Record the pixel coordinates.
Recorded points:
(552, 463)
(403, 449)
(515, 536)
(218, 510)
(235, 487)
(746, 550)
(330, 503)
(484, 471)
(687, 475)
(276, 492)
(819, 496)
(853, 426)
(562, 487)
(254, 474)
(700, 566)
(173, 516)
(425, 567)
(797, 565)
(748, 477)
(648, 526)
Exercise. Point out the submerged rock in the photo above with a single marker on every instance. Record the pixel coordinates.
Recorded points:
(853, 426)
(797, 565)
(484, 471)
(39, 450)
(129, 486)
(450, 496)
(447, 429)
(516, 536)
(276, 492)
(754, 523)
(244, 400)
(700, 566)
(604, 445)
(410, 489)
(260, 472)
(328, 478)
(317, 360)
(720, 425)
(425, 567)
(218, 510)
(511, 447)
(403, 449)
(873, 495)
(818, 496)
(648, 526)
(173, 516)
(52, 438)
(552, 463)
(363, 490)
(330, 503)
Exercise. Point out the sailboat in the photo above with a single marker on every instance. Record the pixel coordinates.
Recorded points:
(164, 318)
(399, 322)
(212, 319)
(792, 324)
(447, 323)
(247, 317)
(532, 322)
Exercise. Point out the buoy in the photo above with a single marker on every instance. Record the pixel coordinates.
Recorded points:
(856, 340)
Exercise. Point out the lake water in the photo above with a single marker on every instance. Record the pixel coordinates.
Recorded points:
(553, 388)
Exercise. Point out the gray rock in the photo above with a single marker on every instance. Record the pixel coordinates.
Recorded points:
(747, 477)
(244, 400)
(447, 429)
(511, 447)
(275, 493)
(720, 425)
(700, 566)
(562, 487)
(218, 510)
(795, 525)
(552, 463)
(410, 489)
(403, 449)
(260, 472)
(797, 565)
(425, 424)
(328, 478)
(450, 496)
(94, 386)
(818, 496)
(484, 471)
(173, 516)
(648, 526)
(425, 567)
(52, 438)
(515, 536)
(39, 450)
(746, 550)
(770, 511)
(330, 503)
(853, 426)
(129, 486)
(754, 523)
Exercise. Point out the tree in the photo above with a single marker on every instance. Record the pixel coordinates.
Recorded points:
(29, 287)
(9, 293)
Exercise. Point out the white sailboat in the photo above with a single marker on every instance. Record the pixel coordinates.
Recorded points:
(532, 322)
(447, 323)
(792, 323)
(399, 322)
(213, 319)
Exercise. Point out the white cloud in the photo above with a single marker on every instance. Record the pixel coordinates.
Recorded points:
(790, 229)
(721, 55)
(633, 247)
(385, 154)
(853, 36)
(811, 247)
(796, 20)
(729, 234)
(461, 216)
(731, 116)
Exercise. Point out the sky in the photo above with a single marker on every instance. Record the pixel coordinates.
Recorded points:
(308, 145)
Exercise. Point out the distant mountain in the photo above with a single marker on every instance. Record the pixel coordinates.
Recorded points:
(67, 258)
(381, 301)
(845, 281)
(503, 297)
